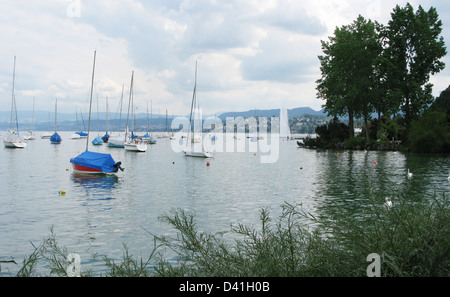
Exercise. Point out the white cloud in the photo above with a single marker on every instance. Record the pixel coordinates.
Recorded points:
(251, 54)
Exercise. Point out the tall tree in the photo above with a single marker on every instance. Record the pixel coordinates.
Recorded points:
(349, 82)
(334, 86)
(414, 48)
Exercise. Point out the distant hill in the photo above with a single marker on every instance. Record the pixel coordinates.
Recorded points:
(44, 120)
(292, 113)
(46, 116)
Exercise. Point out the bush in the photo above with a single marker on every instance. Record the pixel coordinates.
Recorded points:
(386, 129)
(430, 133)
(334, 130)
(312, 142)
(412, 240)
(357, 142)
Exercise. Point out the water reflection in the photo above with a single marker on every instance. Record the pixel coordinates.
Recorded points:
(96, 188)
(349, 181)
(97, 181)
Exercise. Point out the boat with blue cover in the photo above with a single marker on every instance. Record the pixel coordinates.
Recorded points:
(94, 162)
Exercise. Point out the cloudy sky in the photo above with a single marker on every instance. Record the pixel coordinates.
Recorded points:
(251, 54)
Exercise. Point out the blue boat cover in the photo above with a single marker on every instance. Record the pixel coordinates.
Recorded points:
(97, 140)
(105, 138)
(81, 133)
(55, 138)
(103, 162)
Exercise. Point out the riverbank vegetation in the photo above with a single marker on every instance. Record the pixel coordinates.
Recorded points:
(369, 68)
(411, 238)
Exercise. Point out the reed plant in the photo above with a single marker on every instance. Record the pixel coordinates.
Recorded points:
(412, 239)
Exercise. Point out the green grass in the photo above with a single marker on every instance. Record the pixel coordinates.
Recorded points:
(412, 239)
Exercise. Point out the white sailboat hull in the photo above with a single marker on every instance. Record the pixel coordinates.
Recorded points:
(13, 141)
(134, 146)
(46, 135)
(14, 144)
(30, 136)
(197, 153)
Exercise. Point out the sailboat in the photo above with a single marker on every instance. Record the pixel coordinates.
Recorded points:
(191, 149)
(77, 135)
(55, 138)
(13, 139)
(47, 135)
(148, 138)
(105, 137)
(116, 140)
(93, 162)
(133, 144)
(97, 140)
(30, 135)
(81, 133)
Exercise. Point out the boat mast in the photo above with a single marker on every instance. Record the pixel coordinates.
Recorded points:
(56, 111)
(90, 103)
(148, 125)
(107, 115)
(121, 103)
(129, 101)
(32, 121)
(192, 104)
(12, 94)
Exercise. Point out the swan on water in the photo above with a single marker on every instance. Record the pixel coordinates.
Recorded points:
(410, 175)
(388, 203)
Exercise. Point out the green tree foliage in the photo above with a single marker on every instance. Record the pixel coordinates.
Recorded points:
(443, 102)
(369, 67)
(328, 136)
(348, 82)
(430, 133)
(335, 130)
(413, 49)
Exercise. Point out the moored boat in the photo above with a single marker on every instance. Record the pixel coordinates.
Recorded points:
(191, 149)
(56, 138)
(96, 163)
(133, 143)
(93, 162)
(13, 139)
(136, 145)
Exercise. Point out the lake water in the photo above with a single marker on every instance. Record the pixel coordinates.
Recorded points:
(99, 215)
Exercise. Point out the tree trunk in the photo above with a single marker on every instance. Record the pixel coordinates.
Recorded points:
(351, 129)
(367, 128)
